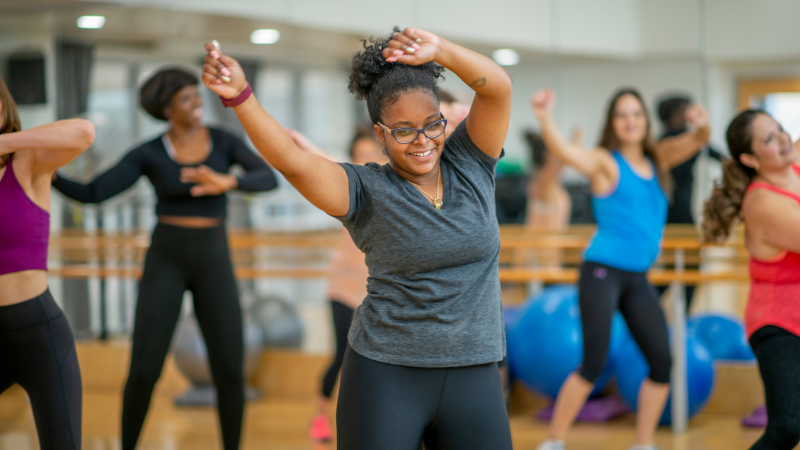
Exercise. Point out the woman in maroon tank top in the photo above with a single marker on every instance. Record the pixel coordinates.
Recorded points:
(761, 187)
(37, 350)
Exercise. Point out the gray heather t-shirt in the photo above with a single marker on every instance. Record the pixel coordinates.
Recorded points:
(433, 294)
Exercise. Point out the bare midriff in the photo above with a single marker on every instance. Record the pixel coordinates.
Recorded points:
(20, 286)
(190, 222)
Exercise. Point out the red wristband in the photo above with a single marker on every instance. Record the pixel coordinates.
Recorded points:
(239, 99)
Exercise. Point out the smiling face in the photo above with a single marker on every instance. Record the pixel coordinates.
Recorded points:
(415, 109)
(186, 107)
(629, 121)
(771, 145)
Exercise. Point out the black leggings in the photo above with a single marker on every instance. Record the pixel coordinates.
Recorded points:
(778, 354)
(342, 316)
(37, 351)
(390, 407)
(197, 260)
(603, 290)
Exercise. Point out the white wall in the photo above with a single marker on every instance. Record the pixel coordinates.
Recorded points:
(609, 28)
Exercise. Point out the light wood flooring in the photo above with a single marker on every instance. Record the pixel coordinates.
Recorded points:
(281, 425)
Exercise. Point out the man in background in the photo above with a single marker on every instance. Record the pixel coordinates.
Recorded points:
(672, 112)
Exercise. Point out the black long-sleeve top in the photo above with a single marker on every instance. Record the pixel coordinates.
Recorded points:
(680, 209)
(152, 160)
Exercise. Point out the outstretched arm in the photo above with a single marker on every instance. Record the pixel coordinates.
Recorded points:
(592, 164)
(322, 182)
(489, 116)
(106, 185)
(676, 150)
(54, 144)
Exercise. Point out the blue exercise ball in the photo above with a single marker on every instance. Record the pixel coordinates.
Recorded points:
(545, 343)
(723, 336)
(631, 369)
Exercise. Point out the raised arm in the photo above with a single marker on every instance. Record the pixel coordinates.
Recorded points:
(322, 182)
(106, 185)
(53, 145)
(489, 116)
(548, 179)
(676, 150)
(593, 164)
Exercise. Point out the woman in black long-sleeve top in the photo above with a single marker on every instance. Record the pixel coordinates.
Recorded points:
(188, 167)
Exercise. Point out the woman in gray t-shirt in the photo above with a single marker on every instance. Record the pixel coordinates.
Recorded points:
(421, 365)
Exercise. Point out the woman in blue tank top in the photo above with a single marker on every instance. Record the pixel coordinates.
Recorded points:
(629, 177)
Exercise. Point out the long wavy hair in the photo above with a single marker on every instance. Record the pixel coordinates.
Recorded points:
(10, 118)
(610, 141)
(724, 208)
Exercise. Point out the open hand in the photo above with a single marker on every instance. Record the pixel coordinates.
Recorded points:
(697, 116)
(207, 182)
(543, 101)
(219, 65)
(412, 46)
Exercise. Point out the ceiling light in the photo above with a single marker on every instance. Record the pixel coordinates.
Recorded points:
(265, 36)
(92, 22)
(505, 57)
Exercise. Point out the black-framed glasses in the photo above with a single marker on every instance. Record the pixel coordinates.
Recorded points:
(409, 135)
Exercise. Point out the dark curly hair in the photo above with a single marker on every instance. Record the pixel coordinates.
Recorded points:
(381, 83)
(157, 92)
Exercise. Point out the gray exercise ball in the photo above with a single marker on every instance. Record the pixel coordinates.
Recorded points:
(191, 356)
(280, 323)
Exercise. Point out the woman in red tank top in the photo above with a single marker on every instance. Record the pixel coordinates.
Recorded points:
(761, 186)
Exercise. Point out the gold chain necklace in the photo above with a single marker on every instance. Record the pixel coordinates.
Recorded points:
(437, 201)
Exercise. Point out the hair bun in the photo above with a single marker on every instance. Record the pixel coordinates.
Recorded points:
(369, 65)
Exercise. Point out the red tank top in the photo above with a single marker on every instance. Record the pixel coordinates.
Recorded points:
(775, 284)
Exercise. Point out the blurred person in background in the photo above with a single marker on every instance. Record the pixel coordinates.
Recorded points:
(347, 282)
(187, 166)
(672, 113)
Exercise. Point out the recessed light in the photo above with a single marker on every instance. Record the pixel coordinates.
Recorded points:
(91, 22)
(505, 57)
(265, 36)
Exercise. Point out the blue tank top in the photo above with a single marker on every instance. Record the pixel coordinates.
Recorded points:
(630, 221)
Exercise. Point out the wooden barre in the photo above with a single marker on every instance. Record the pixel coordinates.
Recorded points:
(519, 275)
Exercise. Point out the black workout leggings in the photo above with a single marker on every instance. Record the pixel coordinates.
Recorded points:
(778, 353)
(37, 351)
(342, 316)
(603, 290)
(391, 407)
(197, 260)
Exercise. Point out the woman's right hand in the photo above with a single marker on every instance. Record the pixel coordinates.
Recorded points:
(218, 65)
(543, 101)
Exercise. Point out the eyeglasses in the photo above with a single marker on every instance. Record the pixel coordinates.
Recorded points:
(409, 135)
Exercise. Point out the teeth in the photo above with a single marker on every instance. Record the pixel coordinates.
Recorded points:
(423, 154)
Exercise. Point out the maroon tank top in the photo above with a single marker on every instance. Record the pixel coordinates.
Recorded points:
(24, 227)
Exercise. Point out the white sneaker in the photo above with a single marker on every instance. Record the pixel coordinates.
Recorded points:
(551, 444)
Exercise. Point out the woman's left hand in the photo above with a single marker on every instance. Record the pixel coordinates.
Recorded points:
(412, 46)
(207, 182)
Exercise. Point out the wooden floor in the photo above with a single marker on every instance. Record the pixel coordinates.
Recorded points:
(281, 425)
